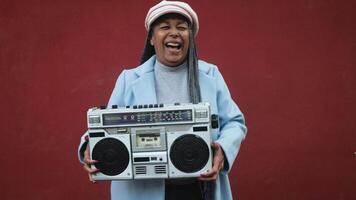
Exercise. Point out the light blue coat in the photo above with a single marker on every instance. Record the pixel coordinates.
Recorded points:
(137, 86)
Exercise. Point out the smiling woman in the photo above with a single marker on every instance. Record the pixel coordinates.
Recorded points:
(170, 72)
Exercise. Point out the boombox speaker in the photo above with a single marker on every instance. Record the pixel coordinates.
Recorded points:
(113, 152)
(189, 153)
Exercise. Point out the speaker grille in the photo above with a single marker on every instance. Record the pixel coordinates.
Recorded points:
(189, 153)
(112, 155)
(160, 169)
(139, 170)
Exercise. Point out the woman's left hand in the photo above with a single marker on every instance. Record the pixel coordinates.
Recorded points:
(218, 164)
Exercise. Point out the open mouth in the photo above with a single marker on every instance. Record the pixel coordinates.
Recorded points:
(173, 45)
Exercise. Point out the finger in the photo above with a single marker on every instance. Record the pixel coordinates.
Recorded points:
(87, 156)
(94, 171)
(89, 161)
(216, 167)
(208, 174)
(91, 179)
(218, 164)
(221, 166)
(215, 145)
(213, 178)
(87, 168)
(218, 156)
(208, 177)
(87, 153)
(211, 174)
(90, 170)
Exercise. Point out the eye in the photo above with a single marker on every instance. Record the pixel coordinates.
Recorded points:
(182, 28)
(164, 27)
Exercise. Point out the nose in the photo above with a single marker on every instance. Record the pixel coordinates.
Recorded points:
(174, 32)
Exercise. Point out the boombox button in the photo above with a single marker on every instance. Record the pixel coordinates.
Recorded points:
(150, 106)
(122, 130)
(153, 158)
(161, 105)
(139, 106)
(145, 106)
(201, 114)
(134, 107)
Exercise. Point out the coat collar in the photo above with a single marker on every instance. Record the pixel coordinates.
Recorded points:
(144, 86)
(146, 67)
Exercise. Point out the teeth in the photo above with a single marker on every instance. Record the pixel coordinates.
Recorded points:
(173, 44)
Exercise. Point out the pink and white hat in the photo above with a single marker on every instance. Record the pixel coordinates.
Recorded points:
(165, 7)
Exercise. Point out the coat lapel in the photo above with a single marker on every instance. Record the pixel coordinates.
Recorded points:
(144, 86)
(208, 88)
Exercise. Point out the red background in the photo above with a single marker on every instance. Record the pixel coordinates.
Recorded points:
(290, 66)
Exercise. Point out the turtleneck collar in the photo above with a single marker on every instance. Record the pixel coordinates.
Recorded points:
(170, 68)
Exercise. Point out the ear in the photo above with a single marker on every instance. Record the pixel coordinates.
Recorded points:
(152, 40)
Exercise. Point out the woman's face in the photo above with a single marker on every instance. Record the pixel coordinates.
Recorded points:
(170, 39)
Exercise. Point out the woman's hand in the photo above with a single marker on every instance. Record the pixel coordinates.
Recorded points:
(218, 164)
(88, 162)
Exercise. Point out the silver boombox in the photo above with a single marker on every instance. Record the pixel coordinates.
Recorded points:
(151, 141)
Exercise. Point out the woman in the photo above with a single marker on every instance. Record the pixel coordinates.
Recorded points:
(170, 72)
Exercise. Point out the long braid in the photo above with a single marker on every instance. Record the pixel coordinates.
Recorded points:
(193, 71)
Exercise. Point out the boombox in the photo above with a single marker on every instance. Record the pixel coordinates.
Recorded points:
(151, 141)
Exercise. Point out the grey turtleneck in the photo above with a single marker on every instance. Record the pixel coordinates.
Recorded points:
(171, 83)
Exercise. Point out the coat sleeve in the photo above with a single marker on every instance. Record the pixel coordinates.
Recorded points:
(232, 123)
(116, 98)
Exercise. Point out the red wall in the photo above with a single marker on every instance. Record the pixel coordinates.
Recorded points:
(290, 65)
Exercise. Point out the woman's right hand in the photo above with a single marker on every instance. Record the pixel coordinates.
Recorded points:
(88, 162)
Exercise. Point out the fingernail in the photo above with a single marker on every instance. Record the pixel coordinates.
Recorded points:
(95, 161)
(94, 171)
